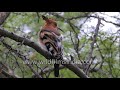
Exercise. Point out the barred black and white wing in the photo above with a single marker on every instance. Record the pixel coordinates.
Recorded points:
(53, 44)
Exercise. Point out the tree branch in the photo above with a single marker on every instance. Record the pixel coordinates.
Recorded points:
(48, 70)
(25, 41)
(5, 72)
(116, 24)
(92, 44)
(17, 53)
(3, 16)
(35, 46)
(76, 70)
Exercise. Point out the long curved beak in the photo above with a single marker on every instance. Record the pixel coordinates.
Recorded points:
(60, 29)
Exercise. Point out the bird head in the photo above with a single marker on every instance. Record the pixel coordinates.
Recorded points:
(49, 22)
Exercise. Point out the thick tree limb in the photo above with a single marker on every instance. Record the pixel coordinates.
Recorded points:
(35, 46)
(25, 41)
(76, 70)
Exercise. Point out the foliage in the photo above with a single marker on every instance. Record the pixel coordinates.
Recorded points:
(76, 42)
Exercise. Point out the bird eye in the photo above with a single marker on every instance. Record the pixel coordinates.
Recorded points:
(55, 24)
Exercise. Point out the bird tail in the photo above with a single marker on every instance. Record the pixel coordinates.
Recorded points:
(56, 70)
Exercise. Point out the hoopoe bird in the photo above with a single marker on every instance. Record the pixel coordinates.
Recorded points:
(50, 39)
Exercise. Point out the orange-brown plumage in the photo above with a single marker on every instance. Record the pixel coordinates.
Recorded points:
(51, 25)
(50, 38)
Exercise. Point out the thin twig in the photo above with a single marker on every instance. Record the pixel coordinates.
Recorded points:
(22, 57)
(92, 45)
